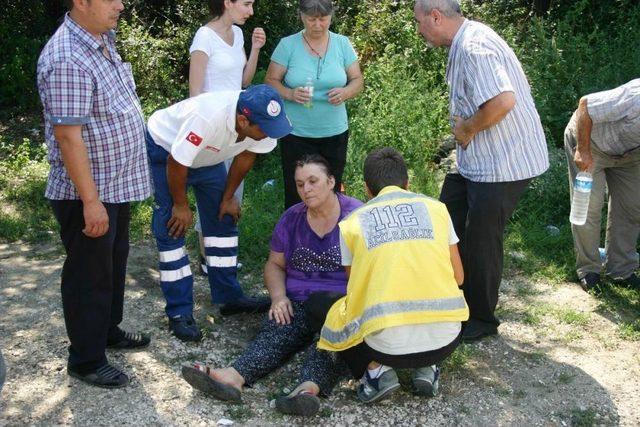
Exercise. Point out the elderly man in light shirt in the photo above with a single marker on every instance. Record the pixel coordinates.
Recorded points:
(603, 137)
(501, 146)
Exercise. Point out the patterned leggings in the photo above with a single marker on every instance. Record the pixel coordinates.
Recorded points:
(275, 343)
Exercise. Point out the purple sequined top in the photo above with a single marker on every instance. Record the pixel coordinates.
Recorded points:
(313, 263)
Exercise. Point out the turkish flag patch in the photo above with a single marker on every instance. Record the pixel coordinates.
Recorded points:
(194, 138)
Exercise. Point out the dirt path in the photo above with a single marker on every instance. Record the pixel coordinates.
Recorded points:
(559, 360)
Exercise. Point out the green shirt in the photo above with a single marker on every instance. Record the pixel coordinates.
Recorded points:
(322, 119)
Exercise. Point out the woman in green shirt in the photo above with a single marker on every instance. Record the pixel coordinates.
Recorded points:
(315, 71)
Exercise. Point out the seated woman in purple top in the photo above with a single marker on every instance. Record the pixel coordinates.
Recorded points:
(304, 260)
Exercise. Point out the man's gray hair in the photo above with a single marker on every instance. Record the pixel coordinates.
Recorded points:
(316, 7)
(448, 8)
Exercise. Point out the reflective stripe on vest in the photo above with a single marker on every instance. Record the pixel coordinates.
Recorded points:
(390, 308)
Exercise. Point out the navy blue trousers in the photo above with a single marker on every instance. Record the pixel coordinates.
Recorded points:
(220, 237)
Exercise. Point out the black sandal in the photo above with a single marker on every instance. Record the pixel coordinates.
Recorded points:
(197, 375)
(106, 376)
(303, 403)
(129, 340)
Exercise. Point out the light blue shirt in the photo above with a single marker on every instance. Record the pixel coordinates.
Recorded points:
(322, 119)
(616, 118)
(481, 66)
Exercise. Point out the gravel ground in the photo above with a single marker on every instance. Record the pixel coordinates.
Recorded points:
(557, 361)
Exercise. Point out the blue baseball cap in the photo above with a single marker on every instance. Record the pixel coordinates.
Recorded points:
(262, 105)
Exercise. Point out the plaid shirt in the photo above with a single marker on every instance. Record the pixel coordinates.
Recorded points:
(78, 85)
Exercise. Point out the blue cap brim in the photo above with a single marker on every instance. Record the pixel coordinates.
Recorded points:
(276, 128)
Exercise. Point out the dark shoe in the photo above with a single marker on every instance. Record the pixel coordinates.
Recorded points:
(426, 381)
(375, 389)
(198, 377)
(590, 281)
(475, 330)
(632, 282)
(128, 340)
(304, 404)
(185, 328)
(106, 376)
(246, 304)
(203, 266)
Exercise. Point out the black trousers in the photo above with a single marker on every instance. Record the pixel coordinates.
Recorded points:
(357, 358)
(93, 279)
(293, 148)
(480, 211)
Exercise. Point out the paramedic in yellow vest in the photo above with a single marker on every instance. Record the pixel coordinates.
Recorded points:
(403, 307)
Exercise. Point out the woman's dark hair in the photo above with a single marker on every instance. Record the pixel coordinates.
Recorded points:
(383, 167)
(315, 159)
(316, 7)
(68, 4)
(216, 7)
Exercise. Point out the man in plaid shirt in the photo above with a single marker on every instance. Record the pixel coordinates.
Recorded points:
(94, 129)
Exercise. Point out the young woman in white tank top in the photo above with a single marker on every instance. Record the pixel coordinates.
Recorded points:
(219, 61)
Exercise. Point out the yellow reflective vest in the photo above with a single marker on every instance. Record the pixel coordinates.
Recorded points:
(401, 272)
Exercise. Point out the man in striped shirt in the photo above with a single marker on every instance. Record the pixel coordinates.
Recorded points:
(501, 146)
(603, 137)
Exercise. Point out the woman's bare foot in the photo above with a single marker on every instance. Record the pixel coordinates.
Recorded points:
(308, 387)
(228, 376)
(303, 400)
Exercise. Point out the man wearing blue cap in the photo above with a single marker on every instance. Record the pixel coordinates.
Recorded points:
(187, 144)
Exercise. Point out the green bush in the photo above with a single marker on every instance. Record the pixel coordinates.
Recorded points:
(24, 29)
(400, 108)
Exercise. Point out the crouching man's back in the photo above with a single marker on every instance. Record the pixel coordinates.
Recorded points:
(403, 306)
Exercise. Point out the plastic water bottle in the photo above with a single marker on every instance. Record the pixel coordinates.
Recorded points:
(580, 202)
(309, 87)
(603, 255)
(269, 183)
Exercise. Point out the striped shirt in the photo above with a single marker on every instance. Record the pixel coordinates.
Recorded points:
(78, 85)
(480, 67)
(616, 118)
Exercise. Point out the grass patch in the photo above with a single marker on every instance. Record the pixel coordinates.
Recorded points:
(238, 413)
(25, 213)
(535, 314)
(618, 299)
(532, 316)
(325, 412)
(571, 317)
(535, 356)
(261, 208)
(519, 394)
(543, 254)
(459, 359)
(503, 312)
(571, 336)
(629, 331)
(565, 378)
(583, 417)
(525, 289)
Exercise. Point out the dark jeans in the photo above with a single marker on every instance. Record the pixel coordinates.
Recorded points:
(293, 148)
(480, 211)
(93, 279)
